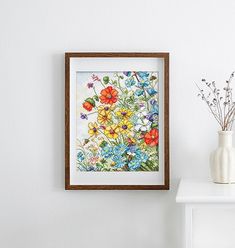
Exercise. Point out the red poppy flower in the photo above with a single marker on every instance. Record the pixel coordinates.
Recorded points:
(151, 138)
(87, 106)
(108, 95)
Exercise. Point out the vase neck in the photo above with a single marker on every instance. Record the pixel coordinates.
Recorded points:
(225, 138)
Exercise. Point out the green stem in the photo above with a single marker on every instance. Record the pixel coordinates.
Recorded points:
(92, 113)
(119, 85)
(122, 103)
(95, 92)
(123, 140)
(102, 83)
(145, 96)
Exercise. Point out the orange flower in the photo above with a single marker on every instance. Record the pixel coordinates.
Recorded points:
(87, 106)
(108, 95)
(151, 138)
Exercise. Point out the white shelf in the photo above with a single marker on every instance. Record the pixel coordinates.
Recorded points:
(199, 191)
(209, 213)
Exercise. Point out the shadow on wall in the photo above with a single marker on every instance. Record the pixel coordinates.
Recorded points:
(57, 84)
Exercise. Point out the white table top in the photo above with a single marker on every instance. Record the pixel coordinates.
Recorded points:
(202, 191)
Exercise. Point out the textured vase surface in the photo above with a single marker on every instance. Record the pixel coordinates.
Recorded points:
(222, 160)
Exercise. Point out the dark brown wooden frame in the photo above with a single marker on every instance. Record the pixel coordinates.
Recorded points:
(164, 56)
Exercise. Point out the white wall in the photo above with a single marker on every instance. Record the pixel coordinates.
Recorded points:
(35, 210)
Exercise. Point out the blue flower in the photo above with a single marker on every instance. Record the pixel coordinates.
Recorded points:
(80, 156)
(143, 83)
(119, 150)
(107, 151)
(90, 168)
(152, 117)
(143, 74)
(139, 92)
(151, 91)
(129, 82)
(131, 149)
(138, 157)
(127, 73)
(141, 156)
(119, 161)
(155, 109)
(134, 164)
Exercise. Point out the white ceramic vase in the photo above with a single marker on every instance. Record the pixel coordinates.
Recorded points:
(222, 160)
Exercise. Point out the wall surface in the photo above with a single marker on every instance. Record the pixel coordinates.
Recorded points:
(35, 210)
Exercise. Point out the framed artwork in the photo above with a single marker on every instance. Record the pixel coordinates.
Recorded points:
(117, 121)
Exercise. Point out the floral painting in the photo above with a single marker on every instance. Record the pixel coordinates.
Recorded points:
(117, 121)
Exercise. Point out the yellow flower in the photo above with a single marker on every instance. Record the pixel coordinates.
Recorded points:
(112, 131)
(125, 126)
(124, 113)
(103, 109)
(104, 118)
(93, 129)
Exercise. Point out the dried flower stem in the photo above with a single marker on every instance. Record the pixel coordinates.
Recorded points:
(224, 116)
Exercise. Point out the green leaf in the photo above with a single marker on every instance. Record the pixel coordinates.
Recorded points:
(98, 165)
(96, 98)
(152, 78)
(86, 141)
(103, 144)
(126, 92)
(154, 124)
(91, 101)
(106, 79)
(145, 167)
(136, 108)
(149, 163)
(103, 161)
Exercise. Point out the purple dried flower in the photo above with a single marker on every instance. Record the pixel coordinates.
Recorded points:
(90, 85)
(83, 116)
(95, 78)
